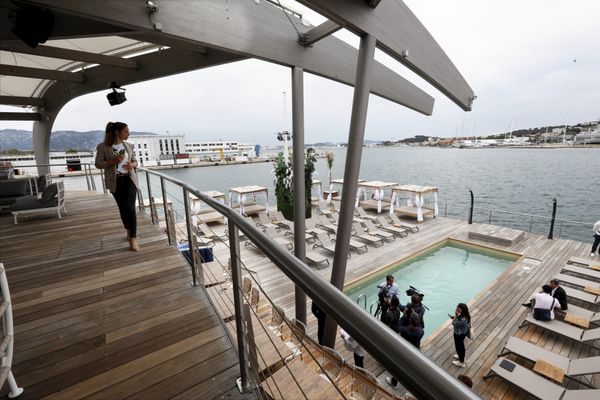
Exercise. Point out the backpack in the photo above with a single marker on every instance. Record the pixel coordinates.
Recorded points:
(471, 332)
(543, 314)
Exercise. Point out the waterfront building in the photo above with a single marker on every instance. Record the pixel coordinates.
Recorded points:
(592, 137)
(217, 150)
(60, 161)
(158, 149)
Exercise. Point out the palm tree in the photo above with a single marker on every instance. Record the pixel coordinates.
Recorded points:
(329, 159)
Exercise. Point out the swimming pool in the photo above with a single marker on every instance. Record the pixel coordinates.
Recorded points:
(447, 274)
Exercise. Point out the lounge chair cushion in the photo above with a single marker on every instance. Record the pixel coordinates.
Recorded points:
(582, 394)
(49, 193)
(31, 202)
(13, 187)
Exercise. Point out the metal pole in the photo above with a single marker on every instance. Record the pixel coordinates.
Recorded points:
(446, 211)
(103, 182)
(531, 224)
(87, 178)
(92, 178)
(236, 280)
(551, 234)
(356, 135)
(150, 199)
(491, 211)
(471, 209)
(164, 198)
(299, 181)
(188, 224)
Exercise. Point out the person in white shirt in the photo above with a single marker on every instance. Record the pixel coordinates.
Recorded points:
(596, 239)
(352, 345)
(387, 290)
(545, 302)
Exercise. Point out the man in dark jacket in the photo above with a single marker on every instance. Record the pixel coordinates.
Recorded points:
(559, 293)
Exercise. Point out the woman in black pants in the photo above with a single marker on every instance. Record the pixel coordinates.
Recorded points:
(117, 158)
(461, 321)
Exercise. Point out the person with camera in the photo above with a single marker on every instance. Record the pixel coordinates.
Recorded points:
(393, 314)
(412, 333)
(386, 291)
(461, 322)
(416, 306)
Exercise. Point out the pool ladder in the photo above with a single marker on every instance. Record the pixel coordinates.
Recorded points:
(363, 297)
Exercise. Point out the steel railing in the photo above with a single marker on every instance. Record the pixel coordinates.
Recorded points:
(421, 376)
(86, 172)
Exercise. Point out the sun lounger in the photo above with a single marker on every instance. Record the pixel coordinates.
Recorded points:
(325, 209)
(401, 224)
(572, 368)
(272, 233)
(326, 243)
(584, 336)
(325, 224)
(361, 213)
(317, 259)
(535, 384)
(587, 272)
(311, 228)
(361, 233)
(581, 295)
(573, 280)
(374, 230)
(264, 222)
(386, 226)
(586, 262)
(278, 219)
(207, 232)
(593, 317)
(201, 238)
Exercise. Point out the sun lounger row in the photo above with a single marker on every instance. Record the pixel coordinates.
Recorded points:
(587, 272)
(584, 336)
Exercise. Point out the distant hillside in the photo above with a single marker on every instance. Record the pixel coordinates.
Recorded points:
(59, 140)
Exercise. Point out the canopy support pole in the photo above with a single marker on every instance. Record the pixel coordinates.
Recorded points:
(356, 135)
(299, 181)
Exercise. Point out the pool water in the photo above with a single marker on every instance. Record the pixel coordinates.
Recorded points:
(448, 274)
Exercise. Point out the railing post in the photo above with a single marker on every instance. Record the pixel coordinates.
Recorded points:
(531, 224)
(471, 209)
(151, 199)
(551, 233)
(92, 177)
(103, 183)
(236, 280)
(491, 211)
(87, 178)
(166, 210)
(188, 224)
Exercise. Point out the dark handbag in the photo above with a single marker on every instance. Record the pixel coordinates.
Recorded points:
(542, 314)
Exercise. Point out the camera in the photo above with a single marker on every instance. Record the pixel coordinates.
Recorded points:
(412, 290)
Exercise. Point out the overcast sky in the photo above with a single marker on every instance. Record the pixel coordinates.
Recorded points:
(534, 63)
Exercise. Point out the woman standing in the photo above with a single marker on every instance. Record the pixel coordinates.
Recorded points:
(117, 158)
(461, 321)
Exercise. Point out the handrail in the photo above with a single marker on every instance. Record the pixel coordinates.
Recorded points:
(421, 376)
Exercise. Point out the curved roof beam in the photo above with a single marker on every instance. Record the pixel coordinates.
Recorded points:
(253, 30)
(402, 36)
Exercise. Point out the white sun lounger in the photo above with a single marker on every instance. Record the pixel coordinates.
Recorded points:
(361, 233)
(278, 219)
(401, 224)
(317, 259)
(386, 226)
(311, 226)
(586, 262)
(588, 272)
(264, 222)
(572, 368)
(361, 213)
(581, 295)
(375, 230)
(324, 223)
(583, 336)
(536, 385)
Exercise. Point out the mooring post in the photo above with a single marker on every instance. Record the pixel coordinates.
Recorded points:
(551, 234)
(471, 209)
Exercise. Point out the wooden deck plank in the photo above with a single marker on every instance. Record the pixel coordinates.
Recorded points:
(95, 319)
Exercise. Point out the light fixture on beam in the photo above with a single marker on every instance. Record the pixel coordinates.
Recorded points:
(117, 95)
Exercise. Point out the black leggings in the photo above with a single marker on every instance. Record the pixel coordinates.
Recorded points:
(359, 361)
(125, 197)
(459, 344)
(596, 243)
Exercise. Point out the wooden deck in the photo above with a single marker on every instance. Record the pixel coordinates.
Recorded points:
(95, 320)
(496, 234)
(497, 310)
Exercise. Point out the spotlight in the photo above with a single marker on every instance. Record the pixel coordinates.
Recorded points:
(32, 25)
(115, 97)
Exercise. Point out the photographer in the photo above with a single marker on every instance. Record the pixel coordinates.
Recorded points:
(415, 305)
(386, 291)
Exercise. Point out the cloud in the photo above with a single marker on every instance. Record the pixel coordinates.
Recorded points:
(518, 57)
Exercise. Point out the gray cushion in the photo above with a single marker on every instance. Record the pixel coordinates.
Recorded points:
(49, 193)
(31, 202)
(13, 187)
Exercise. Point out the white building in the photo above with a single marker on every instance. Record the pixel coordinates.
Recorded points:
(60, 162)
(220, 150)
(159, 149)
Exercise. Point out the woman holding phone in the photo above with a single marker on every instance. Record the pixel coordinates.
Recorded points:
(461, 322)
(117, 158)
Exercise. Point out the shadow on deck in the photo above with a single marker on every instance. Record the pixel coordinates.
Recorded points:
(95, 320)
